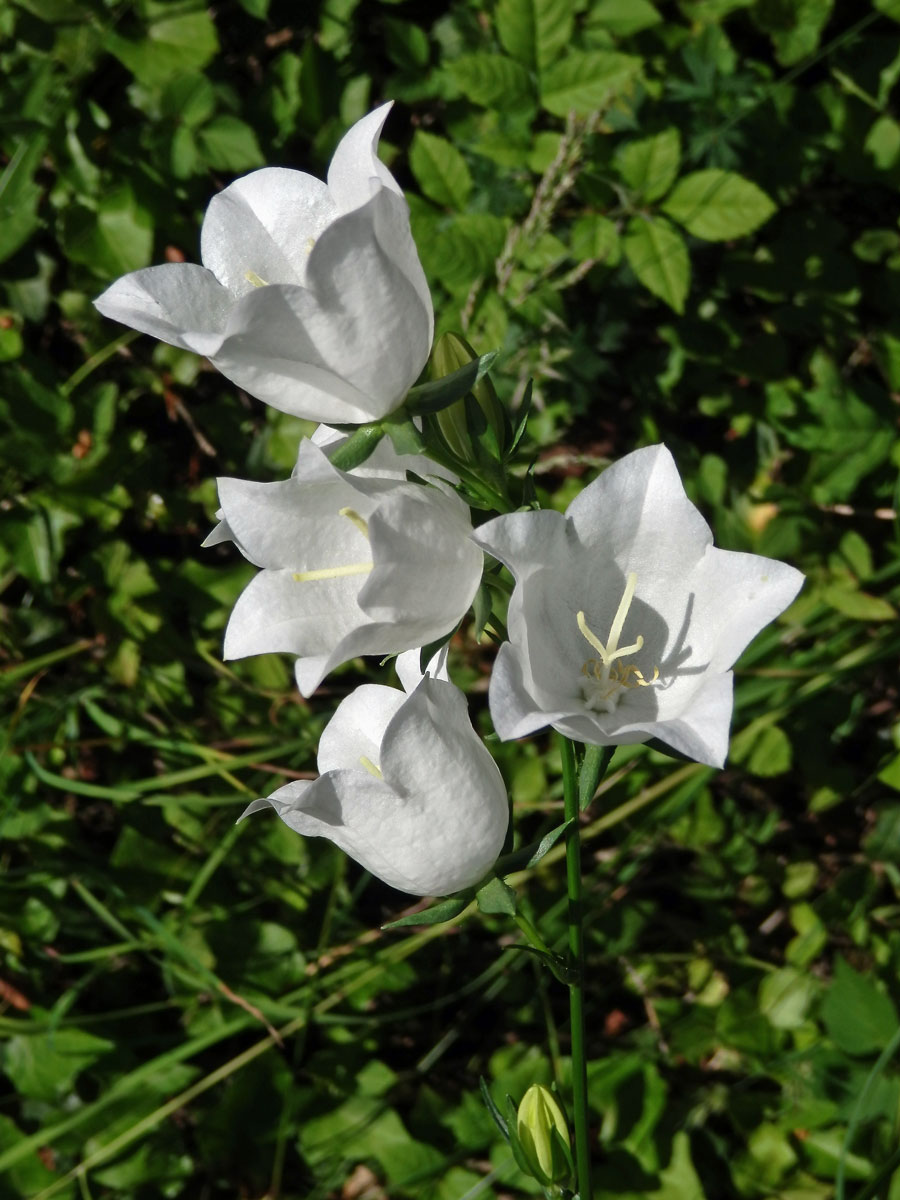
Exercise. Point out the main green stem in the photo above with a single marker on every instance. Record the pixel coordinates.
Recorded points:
(576, 959)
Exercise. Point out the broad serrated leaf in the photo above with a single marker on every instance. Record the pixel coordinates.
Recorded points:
(658, 256)
(440, 169)
(492, 80)
(585, 82)
(534, 31)
(649, 166)
(718, 205)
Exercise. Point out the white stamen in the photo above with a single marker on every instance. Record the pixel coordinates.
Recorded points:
(352, 515)
(333, 572)
(607, 678)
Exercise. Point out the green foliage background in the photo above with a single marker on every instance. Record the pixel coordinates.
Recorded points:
(679, 219)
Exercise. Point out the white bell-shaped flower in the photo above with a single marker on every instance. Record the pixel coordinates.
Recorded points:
(625, 620)
(350, 564)
(407, 788)
(311, 296)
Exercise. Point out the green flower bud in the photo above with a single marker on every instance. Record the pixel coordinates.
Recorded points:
(543, 1136)
(477, 425)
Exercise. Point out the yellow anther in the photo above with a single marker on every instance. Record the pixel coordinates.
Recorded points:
(256, 280)
(333, 572)
(370, 767)
(352, 515)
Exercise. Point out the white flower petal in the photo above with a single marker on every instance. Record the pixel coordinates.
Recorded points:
(263, 227)
(179, 303)
(437, 820)
(345, 348)
(315, 300)
(434, 759)
(361, 269)
(637, 513)
(624, 620)
(352, 809)
(275, 612)
(425, 561)
(357, 728)
(355, 163)
(409, 672)
(295, 524)
(737, 596)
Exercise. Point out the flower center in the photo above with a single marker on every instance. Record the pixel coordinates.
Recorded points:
(256, 280)
(371, 767)
(338, 572)
(606, 676)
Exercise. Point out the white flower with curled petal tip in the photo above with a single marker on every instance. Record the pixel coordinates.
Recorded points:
(350, 565)
(311, 296)
(625, 620)
(406, 787)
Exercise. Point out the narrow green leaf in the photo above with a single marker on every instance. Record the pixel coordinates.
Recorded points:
(492, 1107)
(524, 412)
(440, 393)
(436, 915)
(593, 768)
(547, 842)
(496, 897)
(718, 205)
(658, 256)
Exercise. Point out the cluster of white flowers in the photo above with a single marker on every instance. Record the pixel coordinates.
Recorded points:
(624, 621)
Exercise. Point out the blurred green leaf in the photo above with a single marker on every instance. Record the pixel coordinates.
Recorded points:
(584, 82)
(172, 45)
(650, 165)
(114, 239)
(440, 169)
(859, 1017)
(658, 256)
(718, 205)
(492, 80)
(534, 31)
